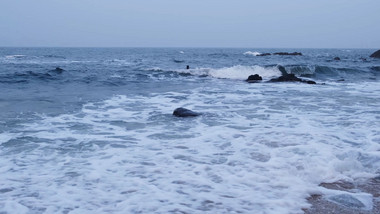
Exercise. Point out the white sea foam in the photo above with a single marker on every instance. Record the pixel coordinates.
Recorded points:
(254, 53)
(242, 72)
(237, 72)
(255, 150)
(17, 56)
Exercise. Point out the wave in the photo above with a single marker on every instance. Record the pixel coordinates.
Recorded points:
(238, 72)
(331, 73)
(250, 53)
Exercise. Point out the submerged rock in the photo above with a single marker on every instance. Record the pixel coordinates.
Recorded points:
(254, 78)
(290, 78)
(183, 112)
(288, 54)
(376, 54)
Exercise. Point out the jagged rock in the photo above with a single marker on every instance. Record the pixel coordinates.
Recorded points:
(183, 112)
(288, 54)
(254, 78)
(376, 54)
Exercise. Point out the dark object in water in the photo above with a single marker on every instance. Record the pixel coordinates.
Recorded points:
(264, 54)
(337, 58)
(183, 112)
(288, 54)
(376, 54)
(58, 70)
(187, 67)
(254, 78)
(291, 78)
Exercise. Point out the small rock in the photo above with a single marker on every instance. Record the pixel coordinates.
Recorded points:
(254, 78)
(337, 58)
(183, 112)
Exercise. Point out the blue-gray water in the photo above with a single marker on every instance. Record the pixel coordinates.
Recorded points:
(99, 135)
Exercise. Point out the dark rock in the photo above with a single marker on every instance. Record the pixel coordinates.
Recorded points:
(264, 54)
(337, 58)
(254, 78)
(363, 59)
(309, 82)
(291, 78)
(183, 112)
(376, 54)
(288, 54)
(341, 80)
(286, 78)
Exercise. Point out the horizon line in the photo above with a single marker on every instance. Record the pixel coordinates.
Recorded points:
(186, 47)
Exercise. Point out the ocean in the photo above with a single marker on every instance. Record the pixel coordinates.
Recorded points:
(91, 130)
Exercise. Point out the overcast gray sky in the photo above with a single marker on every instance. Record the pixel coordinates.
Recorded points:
(191, 23)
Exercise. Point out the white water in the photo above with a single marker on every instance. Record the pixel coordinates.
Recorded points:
(257, 149)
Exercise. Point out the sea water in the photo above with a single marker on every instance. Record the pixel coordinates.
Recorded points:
(91, 130)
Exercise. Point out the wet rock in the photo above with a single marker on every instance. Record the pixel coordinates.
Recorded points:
(376, 54)
(291, 78)
(347, 201)
(309, 82)
(336, 58)
(183, 112)
(254, 78)
(288, 54)
(286, 78)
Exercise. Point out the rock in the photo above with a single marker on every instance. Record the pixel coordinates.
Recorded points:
(264, 54)
(309, 82)
(376, 54)
(286, 78)
(337, 58)
(347, 200)
(291, 78)
(254, 78)
(288, 54)
(183, 112)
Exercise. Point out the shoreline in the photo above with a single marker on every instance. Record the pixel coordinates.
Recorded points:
(320, 205)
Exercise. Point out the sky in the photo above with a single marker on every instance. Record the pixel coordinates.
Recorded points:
(191, 23)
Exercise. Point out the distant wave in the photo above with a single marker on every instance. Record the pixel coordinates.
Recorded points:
(17, 56)
(240, 72)
(250, 53)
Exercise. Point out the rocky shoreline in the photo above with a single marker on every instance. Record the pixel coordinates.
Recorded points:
(321, 205)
